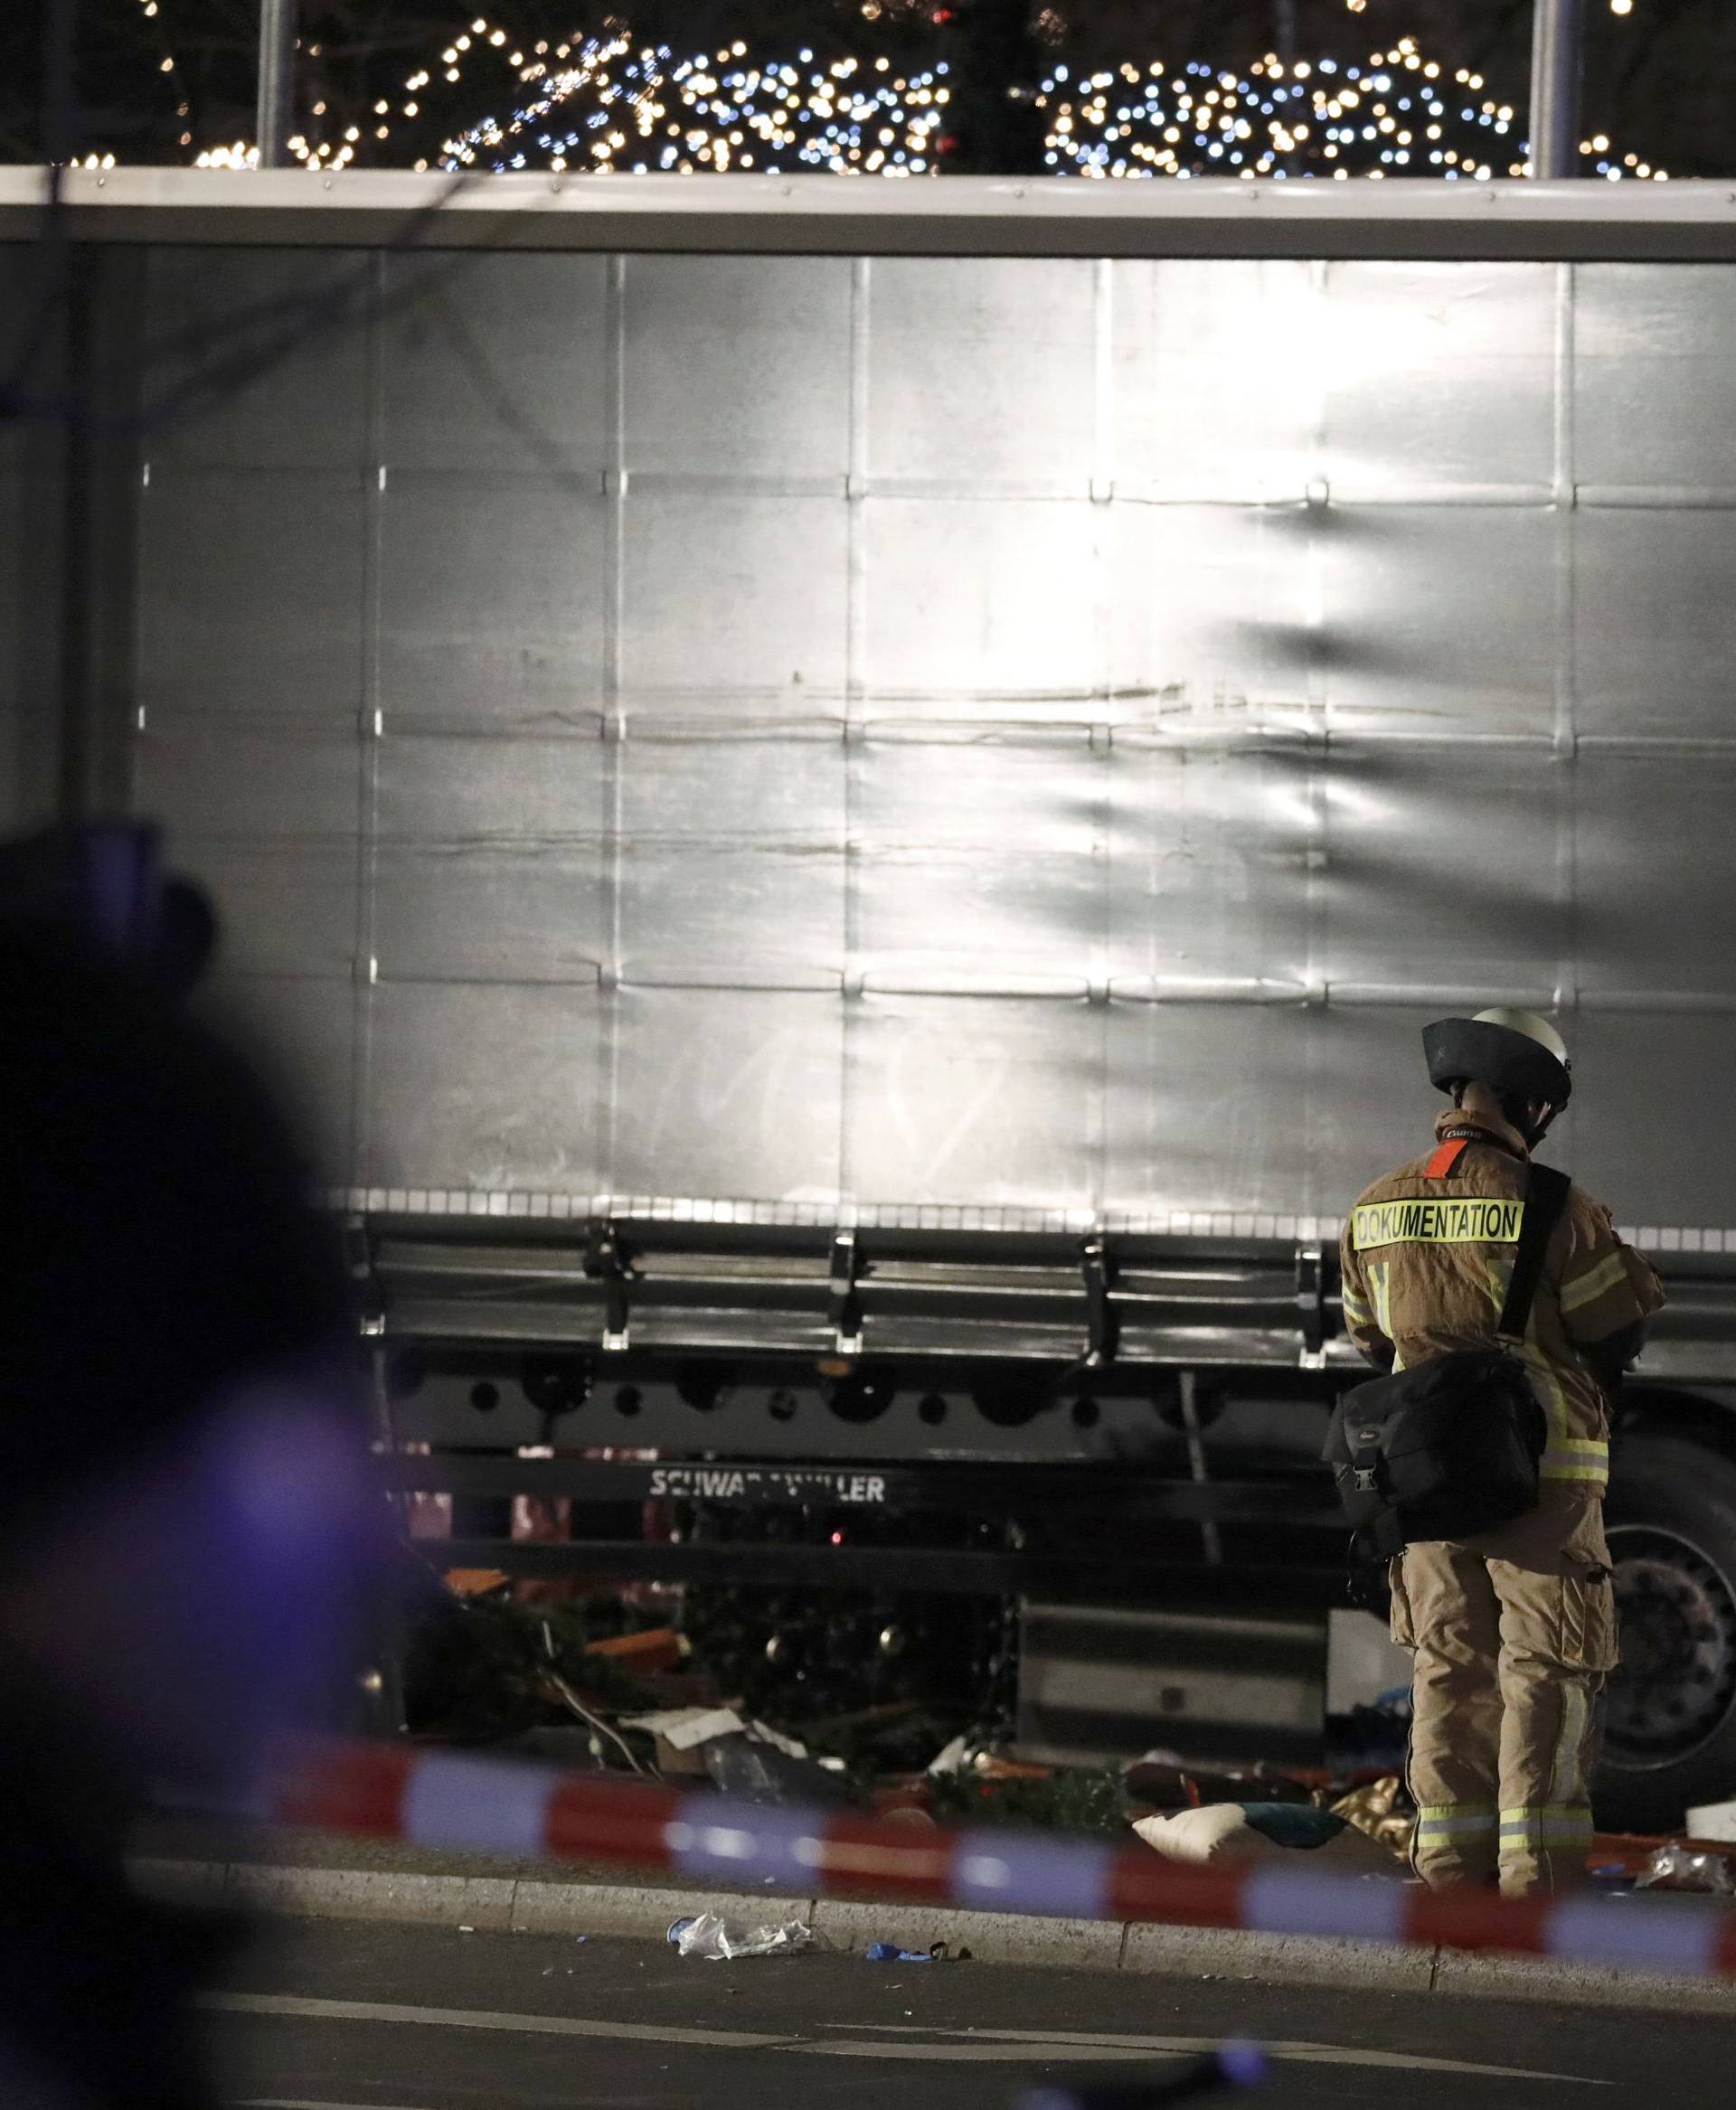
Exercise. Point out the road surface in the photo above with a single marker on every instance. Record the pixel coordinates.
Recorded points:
(339, 2016)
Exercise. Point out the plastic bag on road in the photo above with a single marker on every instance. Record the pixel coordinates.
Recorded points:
(721, 1940)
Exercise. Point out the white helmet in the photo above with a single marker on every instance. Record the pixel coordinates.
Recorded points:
(1514, 1050)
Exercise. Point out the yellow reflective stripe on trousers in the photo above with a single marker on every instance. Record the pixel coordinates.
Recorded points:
(1548, 1820)
(1567, 1783)
(1585, 1289)
(1454, 1820)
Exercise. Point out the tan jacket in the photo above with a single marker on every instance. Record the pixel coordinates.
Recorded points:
(1423, 1282)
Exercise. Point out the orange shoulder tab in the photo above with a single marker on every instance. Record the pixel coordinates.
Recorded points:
(1442, 1165)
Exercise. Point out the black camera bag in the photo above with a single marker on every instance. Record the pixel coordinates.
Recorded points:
(1451, 1447)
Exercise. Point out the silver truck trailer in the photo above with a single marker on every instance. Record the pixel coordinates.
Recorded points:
(842, 803)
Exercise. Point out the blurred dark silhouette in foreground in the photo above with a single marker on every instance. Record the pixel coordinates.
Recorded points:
(187, 1524)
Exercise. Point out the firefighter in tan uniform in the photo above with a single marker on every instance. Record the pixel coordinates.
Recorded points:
(1514, 1633)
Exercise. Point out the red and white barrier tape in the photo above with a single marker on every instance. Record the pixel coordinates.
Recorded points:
(491, 1805)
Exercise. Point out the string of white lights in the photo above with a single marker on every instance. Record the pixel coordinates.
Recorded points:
(151, 10)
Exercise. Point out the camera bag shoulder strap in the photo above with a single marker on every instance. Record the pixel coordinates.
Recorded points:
(1546, 1192)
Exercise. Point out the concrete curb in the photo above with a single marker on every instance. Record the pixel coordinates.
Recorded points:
(521, 1903)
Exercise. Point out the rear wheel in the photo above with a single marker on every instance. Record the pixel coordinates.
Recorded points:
(1670, 1723)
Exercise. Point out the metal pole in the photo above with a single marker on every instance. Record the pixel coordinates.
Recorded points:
(1284, 29)
(60, 38)
(277, 80)
(1210, 1537)
(1557, 44)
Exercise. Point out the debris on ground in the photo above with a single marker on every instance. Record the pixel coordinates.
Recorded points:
(722, 1941)
(1162, 1781)
(687, 1686)
(1684, 1865)
(679, 1735)
(1383, 1810)
(762, 1770)
(976, 1754)
(1070, 1798)
(936, 1953)
(570, 1745)
(1232, 1831)
(994, 1765)
(652, 1649)
(745, 1758)
(952, 1757)
(486, 1669)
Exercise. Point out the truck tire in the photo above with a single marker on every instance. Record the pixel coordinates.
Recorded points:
(1670, 1722)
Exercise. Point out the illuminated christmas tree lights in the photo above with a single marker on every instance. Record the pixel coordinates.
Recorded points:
(609, 102)
(606, 105)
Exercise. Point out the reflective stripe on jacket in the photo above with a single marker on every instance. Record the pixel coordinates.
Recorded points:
(1427, 1256)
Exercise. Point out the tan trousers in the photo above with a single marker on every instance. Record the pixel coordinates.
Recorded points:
(1514, 1635)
